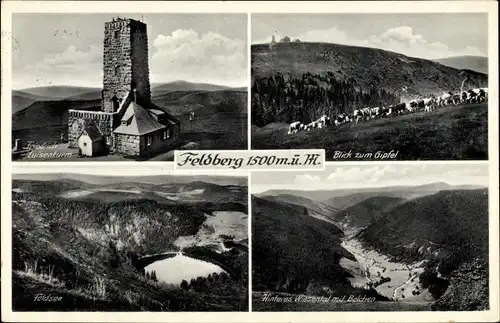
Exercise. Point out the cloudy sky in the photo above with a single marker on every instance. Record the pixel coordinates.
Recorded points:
(370, 175)
(66, 49)
(428, 36)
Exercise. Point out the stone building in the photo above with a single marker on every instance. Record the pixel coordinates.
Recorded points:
(130, 123)
(285, 39)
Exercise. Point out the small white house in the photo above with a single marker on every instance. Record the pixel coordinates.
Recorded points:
(91, 141)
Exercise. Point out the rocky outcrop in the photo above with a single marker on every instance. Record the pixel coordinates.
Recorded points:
(468, 289)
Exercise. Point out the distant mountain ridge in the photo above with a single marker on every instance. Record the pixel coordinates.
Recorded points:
(153, 180)
(23, 98)
(328, 195)
(475, 63)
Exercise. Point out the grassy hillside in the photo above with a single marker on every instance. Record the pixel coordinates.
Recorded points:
(293, 252)
(220, 117)
(448, 133)
(368, 66)
(449, 229)
(49, 113)
(475, 63)
(160, 89)
(87, 251)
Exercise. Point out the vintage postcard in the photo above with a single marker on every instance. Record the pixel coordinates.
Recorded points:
(85, 240)
(384, 237)
(372, 86)
(117, 87)
(307, 161)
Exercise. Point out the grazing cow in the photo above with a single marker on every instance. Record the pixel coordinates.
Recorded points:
(399, 108)
(428, 104)
(362, 114)
(311, 125)
(465, 97)
(445, 99)
(456, 99)
(293, 127)
(472, 96)
(375, 112)
(323, 121)
(340, 119)
(357, 114)
(385, 112)
(410, 106)
(483, 95)
(319, 124)
(417, 104)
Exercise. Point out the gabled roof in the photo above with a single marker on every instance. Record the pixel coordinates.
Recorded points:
(169, 116)
(92, 131)
(138, 120)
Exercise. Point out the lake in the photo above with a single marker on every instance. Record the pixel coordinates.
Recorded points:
(174, 270)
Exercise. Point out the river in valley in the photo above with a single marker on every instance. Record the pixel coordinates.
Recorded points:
(397, 281)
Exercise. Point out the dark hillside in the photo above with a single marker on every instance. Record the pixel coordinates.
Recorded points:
(302, 81)
(49, 113)
(293, 252)
(364, 213)
(450, 230)
(447, 221)
(368, 66)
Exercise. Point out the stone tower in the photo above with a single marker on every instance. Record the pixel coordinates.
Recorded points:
(125, 63)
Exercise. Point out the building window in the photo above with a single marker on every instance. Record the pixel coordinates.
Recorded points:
(149, 140)
(117, 70)
(168, 133)
(84, 144)
(116, 34)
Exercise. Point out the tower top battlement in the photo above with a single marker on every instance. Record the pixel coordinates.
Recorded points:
(125, 62)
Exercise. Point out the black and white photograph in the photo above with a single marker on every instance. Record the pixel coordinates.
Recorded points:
(124, 87)
(135, 242)
(380, 237)
(409, 86)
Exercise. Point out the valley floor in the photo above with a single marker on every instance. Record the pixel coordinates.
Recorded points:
(397, 281)
(448, 133)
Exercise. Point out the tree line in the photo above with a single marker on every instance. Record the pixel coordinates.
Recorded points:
(281, 98)
(209, 283)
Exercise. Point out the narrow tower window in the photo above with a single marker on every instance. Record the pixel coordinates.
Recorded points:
(117, 70)
(117, 34)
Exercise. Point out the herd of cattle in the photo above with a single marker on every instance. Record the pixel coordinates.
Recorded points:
(365, 114)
